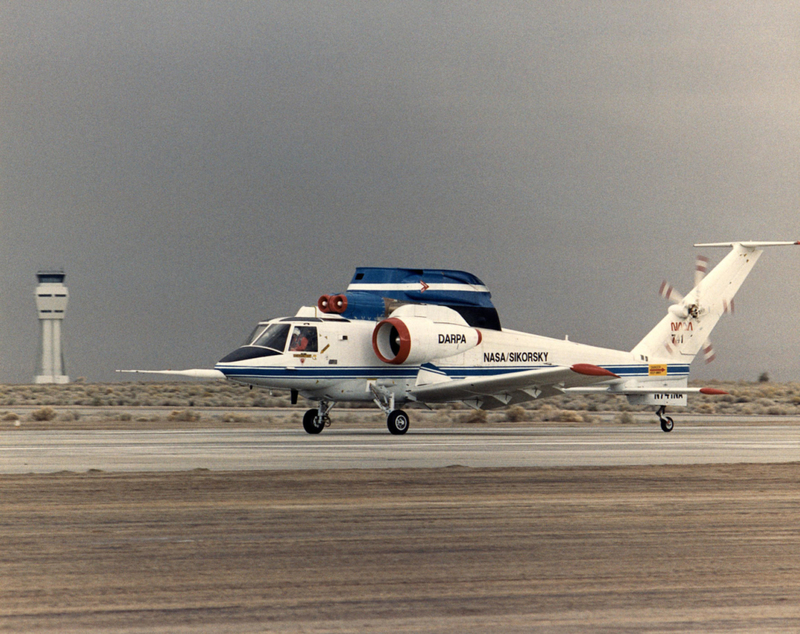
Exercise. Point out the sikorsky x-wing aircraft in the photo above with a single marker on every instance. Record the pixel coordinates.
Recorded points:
(399, 336)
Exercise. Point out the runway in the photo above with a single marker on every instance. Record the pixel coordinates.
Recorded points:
(233, 530)
(246, 450)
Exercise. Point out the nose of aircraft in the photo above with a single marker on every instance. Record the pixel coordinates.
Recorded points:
(247, 352)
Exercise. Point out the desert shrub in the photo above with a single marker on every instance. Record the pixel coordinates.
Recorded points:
(568, 416)
(476, 416)
(442, 416)
(541, 412)
(10, 416)
(183, 416)
(235, 418)
(516, 414)
(625, 418)
(44, 414)
(776, 410)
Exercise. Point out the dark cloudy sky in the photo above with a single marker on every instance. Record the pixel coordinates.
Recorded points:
(196, 166)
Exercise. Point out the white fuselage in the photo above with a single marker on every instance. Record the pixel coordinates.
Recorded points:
(338, 361)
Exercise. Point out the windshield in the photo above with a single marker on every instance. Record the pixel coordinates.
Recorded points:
(255, 334)
(274, 337)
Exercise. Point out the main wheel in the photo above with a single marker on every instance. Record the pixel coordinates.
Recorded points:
(397, 422)
(667, 424)
(312, 422)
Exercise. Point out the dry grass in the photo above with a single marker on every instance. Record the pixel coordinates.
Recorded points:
(81, 404)
(140, 394)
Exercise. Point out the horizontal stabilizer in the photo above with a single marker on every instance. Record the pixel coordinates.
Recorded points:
(617, 390)
(194, 373)
(708, 391)
(749, 244)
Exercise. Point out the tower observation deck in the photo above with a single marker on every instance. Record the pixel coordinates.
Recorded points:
(51, 305)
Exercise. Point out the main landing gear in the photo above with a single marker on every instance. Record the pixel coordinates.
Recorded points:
(397, 422)
(315, 420)
(396, 419)
(666, 422)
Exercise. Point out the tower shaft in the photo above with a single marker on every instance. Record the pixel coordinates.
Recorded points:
(51, 305)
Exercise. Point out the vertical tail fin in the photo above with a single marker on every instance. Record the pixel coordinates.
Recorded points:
(680, 335)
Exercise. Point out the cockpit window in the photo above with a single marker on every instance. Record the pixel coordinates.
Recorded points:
(274, 337)
(255, 334)
(304, 339)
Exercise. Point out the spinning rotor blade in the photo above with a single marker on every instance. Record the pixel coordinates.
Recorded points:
(708, 352)
(667, 291)
(700, 268)
(728, 306)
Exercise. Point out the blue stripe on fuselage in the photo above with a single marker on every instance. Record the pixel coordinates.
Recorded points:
(410, 372)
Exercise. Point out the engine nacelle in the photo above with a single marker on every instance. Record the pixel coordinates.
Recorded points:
(418, 339)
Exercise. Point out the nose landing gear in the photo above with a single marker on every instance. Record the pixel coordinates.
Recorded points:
(666, 422)
(315, 420)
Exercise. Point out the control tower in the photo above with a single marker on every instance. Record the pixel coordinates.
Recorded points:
(51, 304)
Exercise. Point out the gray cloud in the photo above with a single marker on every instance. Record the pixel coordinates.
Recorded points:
(198, 166)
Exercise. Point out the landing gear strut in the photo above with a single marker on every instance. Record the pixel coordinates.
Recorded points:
(666, 422)
(315, 420)
(396, 419)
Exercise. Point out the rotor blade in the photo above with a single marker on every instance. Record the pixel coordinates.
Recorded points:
(708, 352)
(667, 291)
(727, 306)
(700, 268)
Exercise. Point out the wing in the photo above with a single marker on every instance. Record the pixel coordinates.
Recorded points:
(503, 389)
(194, 373)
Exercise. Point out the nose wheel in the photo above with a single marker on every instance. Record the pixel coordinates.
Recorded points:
(666, 422)
(315, 420)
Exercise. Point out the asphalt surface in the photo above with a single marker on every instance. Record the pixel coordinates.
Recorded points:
(677, 548)
(24, 451)
(554, 528)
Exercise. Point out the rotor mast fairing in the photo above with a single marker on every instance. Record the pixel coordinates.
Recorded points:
(375, 292)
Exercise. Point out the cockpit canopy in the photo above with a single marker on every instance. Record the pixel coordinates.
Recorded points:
(271, 339)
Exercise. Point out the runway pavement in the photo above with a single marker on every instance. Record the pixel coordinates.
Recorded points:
(24, 451)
